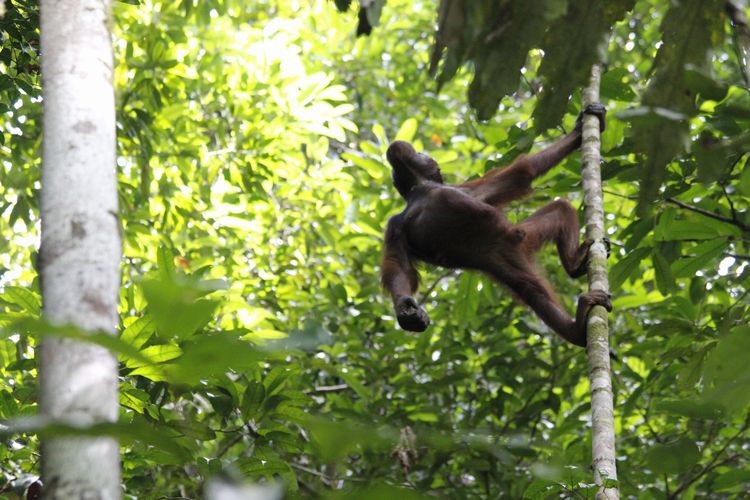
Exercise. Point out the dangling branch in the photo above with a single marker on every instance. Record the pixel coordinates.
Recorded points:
(597, 348)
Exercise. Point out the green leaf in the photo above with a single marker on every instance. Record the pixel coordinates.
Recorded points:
(155, 354)
(702, 83)
(498, 63)
(255, 467)
(357, 386)
(23, 297)
(673, 458)
(697, 290)
(626, 267)
(731, 478)
(252, 400)
(383, 491)
(693, 227)
(206, 355)
(468, 296)
(703, 254)
(139, 331)
(407, 131)
(744, 185)
(135, 399)
(126, 432)
(375, 169)
(176, 308)
(336, 439)
(725, 371)
(570, 48)
(276, 379)
(222, 404)
(421, 416)
(165, 259)
(690, 408)
(662, 272)
(614, 85)
(688, 29)
(42, 328)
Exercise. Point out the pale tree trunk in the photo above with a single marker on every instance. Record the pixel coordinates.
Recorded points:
(602, 412)
(736, 11)
(79, 258)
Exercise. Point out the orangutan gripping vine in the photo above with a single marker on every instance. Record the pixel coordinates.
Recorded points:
(463, 226)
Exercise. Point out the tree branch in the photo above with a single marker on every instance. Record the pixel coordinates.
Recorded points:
(597, 327)
(714, 462)
(429, 290)
(328, 388)
(708, 213)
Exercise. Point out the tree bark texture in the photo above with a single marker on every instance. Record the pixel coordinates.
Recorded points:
(79, 258)
(602, 412)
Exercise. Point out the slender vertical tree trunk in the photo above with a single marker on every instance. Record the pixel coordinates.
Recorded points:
(602, 412)
(81, 244)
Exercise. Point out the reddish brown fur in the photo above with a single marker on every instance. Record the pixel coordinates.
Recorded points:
(463, 226)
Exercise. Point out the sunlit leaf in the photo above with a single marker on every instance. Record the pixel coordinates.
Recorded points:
(23, 297)
(176, 307)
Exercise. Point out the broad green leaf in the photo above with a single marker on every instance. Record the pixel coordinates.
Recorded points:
(379, 132)
(725, 371)
(207, 355)
(165, 258)
(626, 267)
(338, 438)
(614, 85)
(697, 290)
(139, 331)
(423, 417)
(469, 297)
(252, 400)
(702, 255)
(570, 48)
(407, 131)
(125, 432)
(673, 458)
(23, 297)
(353, 382)
(135, 399)
(374, 168)
(693, 408)
(176, 308)
(40, 327)
(155, 354)
(692, 227)
(731, 478)
(498, 61)
(688, 29)
(664, 278)
(275, 380)
(265, 334)
(703, 84)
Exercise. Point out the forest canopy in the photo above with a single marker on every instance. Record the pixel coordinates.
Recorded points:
(255, 340)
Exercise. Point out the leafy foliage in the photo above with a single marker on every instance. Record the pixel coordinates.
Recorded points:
(687, 30)
(253, 193)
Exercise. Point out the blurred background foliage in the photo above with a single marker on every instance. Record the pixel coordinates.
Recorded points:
(253, 194)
